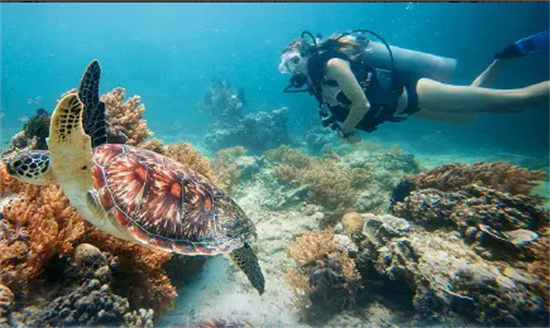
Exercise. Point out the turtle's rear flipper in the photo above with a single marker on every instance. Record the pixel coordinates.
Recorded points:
(247, 261)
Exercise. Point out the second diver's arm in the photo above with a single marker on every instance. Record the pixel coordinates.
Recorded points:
(340, 71)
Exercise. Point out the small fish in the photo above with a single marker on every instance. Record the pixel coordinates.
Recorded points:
(23, 119)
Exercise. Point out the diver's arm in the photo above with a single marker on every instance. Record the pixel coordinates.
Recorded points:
(339, 70)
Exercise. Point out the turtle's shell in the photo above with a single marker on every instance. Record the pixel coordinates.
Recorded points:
(165, 204)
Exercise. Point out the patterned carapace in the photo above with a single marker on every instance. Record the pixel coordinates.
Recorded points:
(163, 202)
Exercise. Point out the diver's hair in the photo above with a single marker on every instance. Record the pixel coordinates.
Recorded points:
(346, 46)
(301, 45)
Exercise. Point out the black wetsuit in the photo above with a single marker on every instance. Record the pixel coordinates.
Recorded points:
(382, 89)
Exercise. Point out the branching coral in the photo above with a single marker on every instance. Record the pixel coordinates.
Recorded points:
(326, 279)
(227, 172)
(38, 225)
(125, 122)
(186, 154)
(501, 176)
(327, 184)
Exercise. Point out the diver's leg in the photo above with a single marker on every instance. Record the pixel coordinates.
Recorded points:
(440, 97)
(449, 118)
(486, 78)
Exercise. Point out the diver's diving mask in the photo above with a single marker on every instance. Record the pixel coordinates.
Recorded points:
(291, 63)
(294, 64)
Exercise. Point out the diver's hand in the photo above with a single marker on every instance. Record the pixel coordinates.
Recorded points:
(348, 137)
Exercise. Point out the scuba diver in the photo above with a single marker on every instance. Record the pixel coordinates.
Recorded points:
(360, 83)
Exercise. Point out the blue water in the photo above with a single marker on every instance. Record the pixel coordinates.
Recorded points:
(168, 54)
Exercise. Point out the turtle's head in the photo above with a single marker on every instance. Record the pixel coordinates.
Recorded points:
(31, 167)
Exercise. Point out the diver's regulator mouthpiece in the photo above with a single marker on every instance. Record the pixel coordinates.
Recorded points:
(296, 82)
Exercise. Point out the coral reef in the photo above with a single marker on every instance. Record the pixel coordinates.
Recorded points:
(85, 297)
(148, 285)
(139, 319)
(500, 219)
(222, 102)
(36, 226)
(501, 176)
(38, 126)
(34, 134)
(6, 300)
(317, 138)
(186, 154)
(227, 168)
(256, 132)
(352, 223)
(445, 278)
(125, 122)
(326, 280)
(360, 181)
(39, 226)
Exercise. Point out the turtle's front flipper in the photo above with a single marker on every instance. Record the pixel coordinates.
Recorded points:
(70, 149)
(247, 261)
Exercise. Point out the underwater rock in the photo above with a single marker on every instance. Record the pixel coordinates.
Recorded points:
(482, 215)
(521, 237)
(447, 278)
(380, 229)
(256, 132)
(292, 197)
(248, 166)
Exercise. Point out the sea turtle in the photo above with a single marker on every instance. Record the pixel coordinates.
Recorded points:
(132, 193)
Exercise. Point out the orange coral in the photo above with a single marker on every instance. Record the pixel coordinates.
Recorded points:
(41, 224)
(37, 225)
(9, 184)
(501, 176)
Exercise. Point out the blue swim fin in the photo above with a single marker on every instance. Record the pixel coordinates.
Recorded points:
(527, 46)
